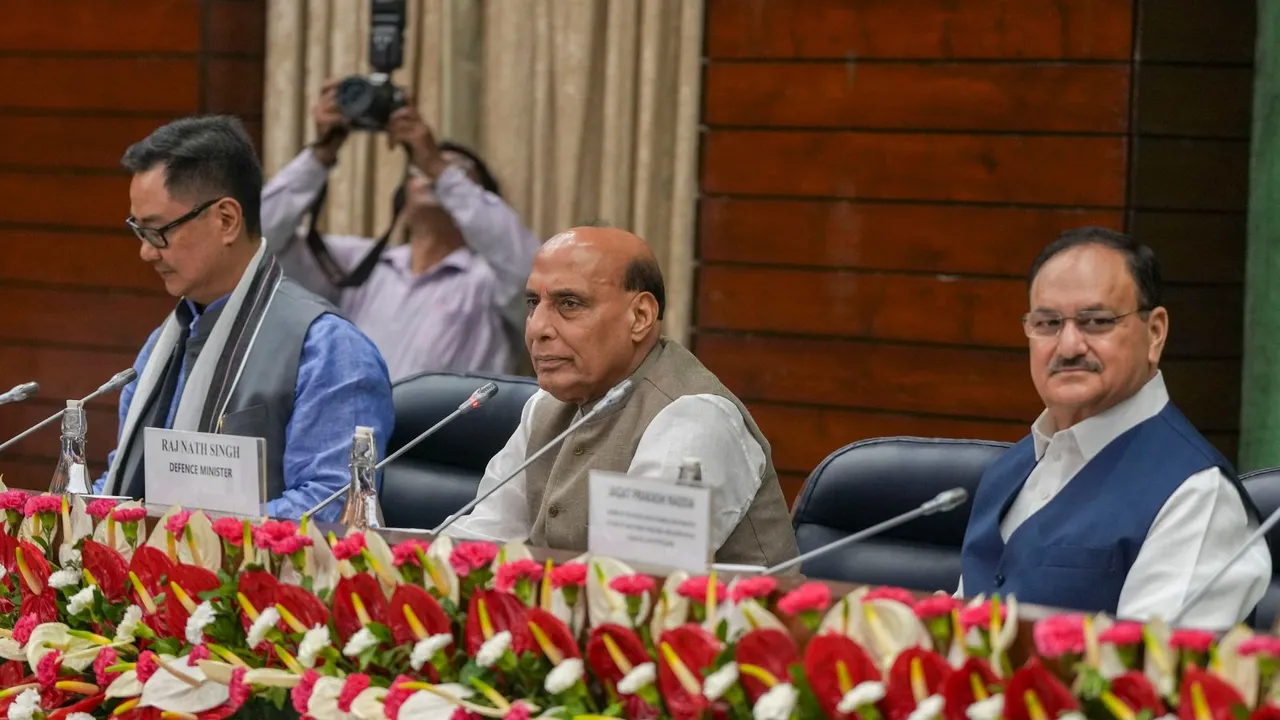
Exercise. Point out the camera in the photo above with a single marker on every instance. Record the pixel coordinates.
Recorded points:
(367, 102)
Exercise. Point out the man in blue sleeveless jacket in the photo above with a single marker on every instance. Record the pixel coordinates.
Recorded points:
(1114, 502)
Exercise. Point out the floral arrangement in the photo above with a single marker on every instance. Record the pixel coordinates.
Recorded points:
(207, 619)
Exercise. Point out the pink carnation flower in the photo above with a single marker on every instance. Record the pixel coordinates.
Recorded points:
(355, 685)
(632, 585)
(100, 509)
(147, 666)
(48, 669)
(301, 693)
(517, 711)
(198, 653)
(1122, 633)
(468, 557)
(42, 504)
(1193, 640)
(396, 696)
(569, 575)
(1058, 635)
(980, 616)
(230, 529)
(238, 690)
(13, 500)
(107, 657)
(512, 572)
(291, 544)
(935, 606)
(349, 546)
(177, 523)
(22, 630)
(809, 596)
(1260, 645)
(272, 531)
(752, 587)
(406, 553)
(891, 593)
(129, 515)
(461, 713)
(695, 588)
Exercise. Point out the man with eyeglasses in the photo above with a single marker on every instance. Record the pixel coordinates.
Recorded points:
(1114, 503)
(246, 351)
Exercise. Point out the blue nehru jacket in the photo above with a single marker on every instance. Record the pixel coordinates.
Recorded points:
(1076, 551)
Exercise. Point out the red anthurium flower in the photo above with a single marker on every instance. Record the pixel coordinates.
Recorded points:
(86, 705)
(8, 554)
(304, 606)
(556, 631)
(345, 617)
(151, 565)
(767, 648)
(1266, 712)
(424, 607)
(823, 660)
(696, 650)
(505, 612)
(42, 604)
(108, 567)
(601, 660)
(916, 674)
(962, 687)
(261, 589)
(12, 673)
(193, 580)
(1136, 691)
(1217, 696)
(1052, 695)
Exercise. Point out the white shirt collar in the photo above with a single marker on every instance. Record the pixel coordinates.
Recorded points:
(1097, 432)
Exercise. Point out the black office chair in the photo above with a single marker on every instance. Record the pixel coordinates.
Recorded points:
(439, 475)
(871, 481)
(1264, 488)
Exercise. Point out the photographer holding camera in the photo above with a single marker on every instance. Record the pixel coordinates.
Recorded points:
(449, 298)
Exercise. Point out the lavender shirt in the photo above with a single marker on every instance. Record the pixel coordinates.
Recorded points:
(463, 315)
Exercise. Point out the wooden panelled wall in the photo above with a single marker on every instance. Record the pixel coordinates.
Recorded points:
(82, 80)
(878, 175)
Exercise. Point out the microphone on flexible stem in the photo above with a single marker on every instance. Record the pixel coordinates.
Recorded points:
(19, 393)
(944, 501)
(478, 398)
(1204, 589)
(613, 397)
(117, 381)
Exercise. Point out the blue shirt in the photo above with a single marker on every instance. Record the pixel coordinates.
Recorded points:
(342, 382)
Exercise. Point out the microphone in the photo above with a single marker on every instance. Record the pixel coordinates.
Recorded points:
(944, 501)
(117, 381)
(1204, 589)
(613, 397)
(478, 398)
(19, 393)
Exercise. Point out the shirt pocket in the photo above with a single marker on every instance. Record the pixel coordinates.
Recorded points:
(247, 422)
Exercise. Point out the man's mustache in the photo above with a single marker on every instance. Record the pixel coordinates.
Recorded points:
(1076, 363)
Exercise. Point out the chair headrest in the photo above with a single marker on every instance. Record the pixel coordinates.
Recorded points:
(469, 441)
(871, 481)
(1263, 487)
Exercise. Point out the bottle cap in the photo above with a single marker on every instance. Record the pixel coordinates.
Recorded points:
(73, 404)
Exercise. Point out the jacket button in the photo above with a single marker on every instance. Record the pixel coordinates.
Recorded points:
(999, 579)
(554, 510)
(578, 450)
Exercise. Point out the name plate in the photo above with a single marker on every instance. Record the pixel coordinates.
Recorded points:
(649, 520)
(219, 473)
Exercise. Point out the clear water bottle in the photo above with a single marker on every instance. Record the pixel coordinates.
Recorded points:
(362, 510)
(71, 475)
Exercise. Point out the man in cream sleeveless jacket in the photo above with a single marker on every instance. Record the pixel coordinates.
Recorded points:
(595, 298)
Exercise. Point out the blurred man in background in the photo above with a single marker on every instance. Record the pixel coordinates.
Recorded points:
(449, 297)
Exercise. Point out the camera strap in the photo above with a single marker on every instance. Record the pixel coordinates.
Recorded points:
(333, 271)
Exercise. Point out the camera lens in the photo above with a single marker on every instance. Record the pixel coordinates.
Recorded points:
(355, 96)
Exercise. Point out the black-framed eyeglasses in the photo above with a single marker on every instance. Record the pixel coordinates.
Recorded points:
(1089, 322)
(155, 237)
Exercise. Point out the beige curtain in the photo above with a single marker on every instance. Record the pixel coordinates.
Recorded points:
(586, 110)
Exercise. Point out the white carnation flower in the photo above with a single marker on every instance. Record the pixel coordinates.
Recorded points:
(64, 578)
(426, 648)
(80, 716)
(315, 640)
(862, 695)
(930, 708)
(199, 620)
(493, 648)
(564, 676)
(776, 704)
(361, 641)
(128, 627)
(640, 677)
(81, 601)
(719, 682)
(25, 707)
(1073, 716)
(267, 619)
(990, 709)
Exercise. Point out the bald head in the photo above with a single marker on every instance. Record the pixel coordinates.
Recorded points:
(595, 297)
